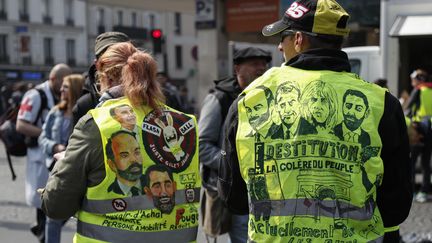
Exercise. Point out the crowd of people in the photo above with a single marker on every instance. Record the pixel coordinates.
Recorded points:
(303, 152)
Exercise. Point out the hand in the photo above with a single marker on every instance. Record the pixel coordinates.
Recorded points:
(59, 148)
(40, 190)
(59, 156)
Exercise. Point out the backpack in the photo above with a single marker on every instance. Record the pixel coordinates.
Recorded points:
(16, 143)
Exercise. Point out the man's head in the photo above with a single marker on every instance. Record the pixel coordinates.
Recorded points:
(249, 64)
(125, 115)
(107, 39)
(355, 109)
(257, 104)
(160, 187)
(418, 76)
(310, 24)
(288, 102)
(124, 157)
(320, 101)
(57, 73)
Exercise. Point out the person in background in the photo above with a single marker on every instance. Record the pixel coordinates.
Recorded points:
(249, 63)
(277, 178)
(54, 137)
(80, 182)
(91, 92)
(419, 111)
(31, 116)
(170, 91)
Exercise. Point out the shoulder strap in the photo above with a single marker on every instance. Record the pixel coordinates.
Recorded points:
(44, 103)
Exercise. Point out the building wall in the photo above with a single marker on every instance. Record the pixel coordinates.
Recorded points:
(187, 74)
(36, 30)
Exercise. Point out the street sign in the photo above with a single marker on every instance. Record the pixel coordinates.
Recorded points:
(205, 14)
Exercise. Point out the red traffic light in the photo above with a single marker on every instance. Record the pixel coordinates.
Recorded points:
(156, 34)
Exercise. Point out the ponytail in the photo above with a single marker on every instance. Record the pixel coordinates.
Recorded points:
(139, 81)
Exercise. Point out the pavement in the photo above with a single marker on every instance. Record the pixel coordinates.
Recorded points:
(16, 217)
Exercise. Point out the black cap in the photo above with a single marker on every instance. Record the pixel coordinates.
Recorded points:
(324, 17)
(250, 52)
(105, 40)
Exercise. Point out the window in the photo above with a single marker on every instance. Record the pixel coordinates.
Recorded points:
(70, 52)
(177, 23)
(3, 49)
(46, 8)
(101, 17)
(134, 19)
(3, 12)
(152, 21)
(178, 57)
(25, 44)
(23, 10)
(119, 18)
(23, 7)
(69, 12)
(355, 66)
(48, 50)
(46, 11)
(2, 5)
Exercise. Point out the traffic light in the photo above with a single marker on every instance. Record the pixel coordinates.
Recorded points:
(156, 35)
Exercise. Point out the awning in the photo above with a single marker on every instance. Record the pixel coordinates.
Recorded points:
(411, 26)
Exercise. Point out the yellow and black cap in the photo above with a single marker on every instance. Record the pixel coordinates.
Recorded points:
(324, 17)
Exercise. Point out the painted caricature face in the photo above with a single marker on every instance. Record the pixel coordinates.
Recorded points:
(319, 107)
(257, 109)
(354, 111)
(288, 107)
(126, 117)
(162, 189)
(127, 157)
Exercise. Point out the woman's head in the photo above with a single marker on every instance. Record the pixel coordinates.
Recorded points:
(109, 65)
(70, 90)
(135, 70)
(139, 79)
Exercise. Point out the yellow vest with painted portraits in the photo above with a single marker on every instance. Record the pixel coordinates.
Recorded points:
(309, 152)
(151, 189)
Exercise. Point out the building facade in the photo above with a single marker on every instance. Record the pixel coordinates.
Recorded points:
(36, 34)
(177, 57)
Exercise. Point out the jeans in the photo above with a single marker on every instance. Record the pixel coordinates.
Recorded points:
(425, 156)
(239, 228)
(53, 229)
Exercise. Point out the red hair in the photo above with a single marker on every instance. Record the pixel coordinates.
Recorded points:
(139, 80)
(135, 70)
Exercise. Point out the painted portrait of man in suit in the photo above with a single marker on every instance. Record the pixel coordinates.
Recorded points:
(125, 115)
(258, 104)
(288, 106)
(355, 109)
(125, 160)
(160, 187)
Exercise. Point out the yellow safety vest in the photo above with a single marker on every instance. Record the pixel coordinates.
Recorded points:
(309, 152)
(164, 205)
(425, 108)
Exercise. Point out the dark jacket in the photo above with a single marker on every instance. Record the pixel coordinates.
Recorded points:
(89, 96)
(394, 196)
(213, 113)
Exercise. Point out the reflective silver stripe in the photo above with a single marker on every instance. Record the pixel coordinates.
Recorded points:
(102, 233)
(378, 240)
(133, 203)
(314, 208)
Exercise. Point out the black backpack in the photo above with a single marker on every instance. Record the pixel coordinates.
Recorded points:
(16, 143)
